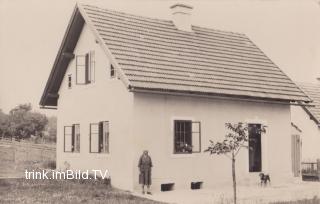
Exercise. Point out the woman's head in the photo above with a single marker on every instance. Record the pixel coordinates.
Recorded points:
(145, 152)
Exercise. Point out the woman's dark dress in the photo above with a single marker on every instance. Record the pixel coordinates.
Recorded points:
(145, 165)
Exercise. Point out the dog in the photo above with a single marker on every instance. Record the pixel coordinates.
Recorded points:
(264, 179)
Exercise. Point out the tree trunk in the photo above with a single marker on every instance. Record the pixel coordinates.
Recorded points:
(234, 179)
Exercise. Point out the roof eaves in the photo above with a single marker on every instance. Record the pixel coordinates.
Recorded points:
(46, 93)
(215, 96)
(107, 51)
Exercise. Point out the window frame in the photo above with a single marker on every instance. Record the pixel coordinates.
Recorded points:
(69, 81)
(88, 66)
(192, 132)
(73, 138)
(112, 72)
(100, 138)
(77, 68)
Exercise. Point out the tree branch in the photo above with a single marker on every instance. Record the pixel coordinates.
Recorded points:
(227, 156)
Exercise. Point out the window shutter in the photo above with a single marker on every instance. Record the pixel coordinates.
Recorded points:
(196, 137)
(100, 136)
(77, 138)
(87, 68)
(73, 138)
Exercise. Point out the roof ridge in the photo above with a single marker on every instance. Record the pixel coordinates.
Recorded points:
(127, 14)
(238, 34)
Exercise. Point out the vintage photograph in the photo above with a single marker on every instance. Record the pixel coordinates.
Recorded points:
(160, 101)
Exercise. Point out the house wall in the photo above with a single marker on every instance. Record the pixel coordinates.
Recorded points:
(310, 134)
(153, 131)
(104, 100)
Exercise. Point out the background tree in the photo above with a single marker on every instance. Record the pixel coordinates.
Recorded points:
(3, 124)
(52, 129)
(235, 139)
(23, 122)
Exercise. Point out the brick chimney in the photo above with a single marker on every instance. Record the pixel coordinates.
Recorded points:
(181, 16)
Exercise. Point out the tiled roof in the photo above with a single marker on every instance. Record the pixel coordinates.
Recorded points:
(153, 54)
(313, 91)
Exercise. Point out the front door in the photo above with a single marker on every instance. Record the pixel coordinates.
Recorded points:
(296, 154)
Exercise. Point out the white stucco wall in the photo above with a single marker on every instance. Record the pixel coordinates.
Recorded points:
(104, 100)
(145, 121)
(310, 134)
(153, 130)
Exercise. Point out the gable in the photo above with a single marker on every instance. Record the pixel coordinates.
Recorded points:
(151, 55)
(99, 66)
(64, 56)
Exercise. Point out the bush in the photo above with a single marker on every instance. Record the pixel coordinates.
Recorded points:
(49, 164)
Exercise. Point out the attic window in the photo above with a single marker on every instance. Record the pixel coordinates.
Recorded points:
(85, 65)
(112, 71)
(69, 81)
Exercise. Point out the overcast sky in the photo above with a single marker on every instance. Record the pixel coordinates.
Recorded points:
(31, 31)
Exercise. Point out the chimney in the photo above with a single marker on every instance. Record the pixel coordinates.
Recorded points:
(181, 16)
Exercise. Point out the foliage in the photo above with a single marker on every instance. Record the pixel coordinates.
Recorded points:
(52, 129)
(3, 123)
(235, 139)
(22, 122)
(183, 147)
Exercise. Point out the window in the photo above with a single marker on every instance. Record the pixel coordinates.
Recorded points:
(85, 68)
(255, 157)
(99, 137)
(72, 138)
(187, 137)
(69, 81)
(112, 71)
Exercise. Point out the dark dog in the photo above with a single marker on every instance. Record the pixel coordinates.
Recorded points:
(264, 179)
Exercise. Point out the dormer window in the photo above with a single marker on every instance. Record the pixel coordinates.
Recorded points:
(112, 71)
(85, 68)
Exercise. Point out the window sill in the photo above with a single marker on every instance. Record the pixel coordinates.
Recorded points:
(182, 155)
(100, 155)
(73, 154)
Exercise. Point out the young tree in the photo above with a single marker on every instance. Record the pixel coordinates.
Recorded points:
(235, 139)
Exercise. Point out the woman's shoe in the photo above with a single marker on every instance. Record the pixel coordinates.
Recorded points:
(149, 193)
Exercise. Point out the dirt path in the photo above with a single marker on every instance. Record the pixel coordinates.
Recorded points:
(246, 195)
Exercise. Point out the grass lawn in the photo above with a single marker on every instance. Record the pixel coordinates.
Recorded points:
(314, 200)
(63, 191)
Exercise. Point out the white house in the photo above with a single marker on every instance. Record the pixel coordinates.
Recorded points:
(307, 119)
(124, 83)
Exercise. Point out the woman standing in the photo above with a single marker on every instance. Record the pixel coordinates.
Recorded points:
(145, 165)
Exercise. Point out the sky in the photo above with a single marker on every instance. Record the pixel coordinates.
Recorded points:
(31, 31)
